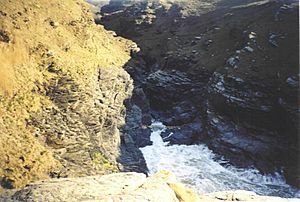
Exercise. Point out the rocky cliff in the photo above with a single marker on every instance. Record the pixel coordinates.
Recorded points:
(62, 90)
(220, 76)
(69, 109)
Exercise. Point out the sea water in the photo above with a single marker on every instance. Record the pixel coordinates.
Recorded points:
(196, 167)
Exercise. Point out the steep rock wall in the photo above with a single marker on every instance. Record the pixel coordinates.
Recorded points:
(61, 92)
(226, 77)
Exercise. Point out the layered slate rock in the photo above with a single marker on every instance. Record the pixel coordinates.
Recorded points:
(169, 93)
(62, 90)
(82, 126)
(225, 78)
(249, 117)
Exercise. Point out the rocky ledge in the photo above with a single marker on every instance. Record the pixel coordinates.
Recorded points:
(125, 187)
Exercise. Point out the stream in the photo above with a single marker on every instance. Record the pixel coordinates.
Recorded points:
(196, 167)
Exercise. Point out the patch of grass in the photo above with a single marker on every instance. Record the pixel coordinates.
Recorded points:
(99, 159)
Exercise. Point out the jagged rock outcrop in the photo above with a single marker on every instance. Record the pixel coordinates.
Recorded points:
(262, 121)
(225, 78)
(82, 128)
(61, 92)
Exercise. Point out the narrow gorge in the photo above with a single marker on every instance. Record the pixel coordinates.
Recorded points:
(112, 100)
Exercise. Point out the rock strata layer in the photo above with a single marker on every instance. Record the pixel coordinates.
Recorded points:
(62, 88)
(220, 76)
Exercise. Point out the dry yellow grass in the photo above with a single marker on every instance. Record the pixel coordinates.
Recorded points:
(7, 63)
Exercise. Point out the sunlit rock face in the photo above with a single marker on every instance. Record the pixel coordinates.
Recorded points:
(61, 101)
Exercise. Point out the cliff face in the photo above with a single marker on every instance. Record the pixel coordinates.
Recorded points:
(62, 89)
(220, 76)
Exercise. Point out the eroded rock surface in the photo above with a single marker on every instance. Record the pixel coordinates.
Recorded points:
(62, 90)
(114, 187)
(121, 187)
(220, 76)
(83, 127)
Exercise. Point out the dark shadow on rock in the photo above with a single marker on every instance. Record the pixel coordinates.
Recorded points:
(246, 112)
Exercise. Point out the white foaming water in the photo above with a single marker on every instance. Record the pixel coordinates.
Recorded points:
(194, 165)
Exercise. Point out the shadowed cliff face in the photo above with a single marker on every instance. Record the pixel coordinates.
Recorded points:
(222, 76)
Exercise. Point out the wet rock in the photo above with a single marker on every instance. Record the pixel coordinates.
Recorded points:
(246, 121)
(137, 119)
(273, 38)
(248, 49)
(165, 88)
(134, 126)
(139, 98)
(169, 93)
(193, 43)
(233, 61)
(284, 10)
(235, 91)
(292, 82)
(132, 159)
(207, 43)
(186, 134)
(183, 112)
(245, 145)
(135, 49)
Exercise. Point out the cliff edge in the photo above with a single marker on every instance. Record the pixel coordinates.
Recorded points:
(62, 89)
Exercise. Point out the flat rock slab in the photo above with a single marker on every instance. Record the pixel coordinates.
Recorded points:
(113, 187)
(126, 187)
(241, 195)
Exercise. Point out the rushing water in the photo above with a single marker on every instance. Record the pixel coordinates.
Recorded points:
(195, 166)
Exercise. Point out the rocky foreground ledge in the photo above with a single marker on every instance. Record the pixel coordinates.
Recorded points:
(125, 187)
